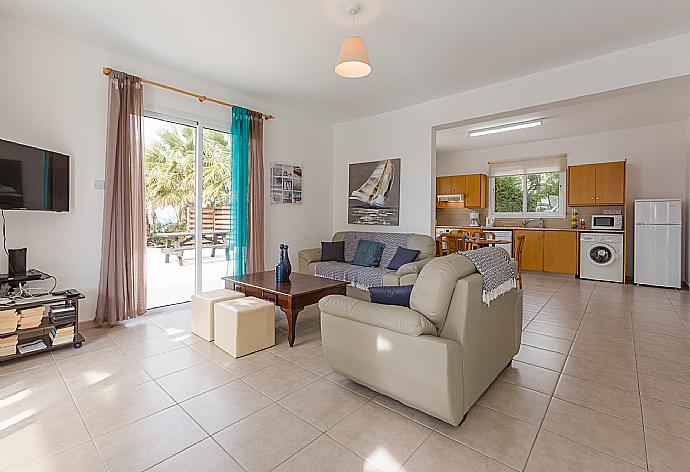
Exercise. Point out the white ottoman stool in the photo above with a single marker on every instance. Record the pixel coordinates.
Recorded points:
(244, 325)
(202, 310)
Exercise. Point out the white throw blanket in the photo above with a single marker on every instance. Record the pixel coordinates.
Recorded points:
(496, 269)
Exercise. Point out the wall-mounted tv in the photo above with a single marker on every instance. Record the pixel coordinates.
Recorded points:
(32, 178)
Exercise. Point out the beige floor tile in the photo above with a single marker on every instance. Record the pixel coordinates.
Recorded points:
(83, 457)
(325, 453)
(170, 362)
(102, 370)
(438, 453)
(150, 347)
(616, 402)
(557, 320)
(664, 369)
(541, 358)
(681, 343)
(139, 445)
(408, 412)
(225, 405)
(312, 359)
(665, 390)
(28, 436)
(620, 344)
(501, 437)
(530, 376)
(382, 437)
(238, 367)
(667, 453)
(546, 342)
(666, 417)
(551, 330)
(518, 402)
(603, 353)
(96, 340)
(323, 404)
(109, 409)
(351, 385)
(602, 373)
(656, 351)
(195, 380)
(280, 380)
(25, 363)
(605, 433)
(205, 456)
(674, 329)
(553, 453)
(138, 328)
(266, 439)
(41, 390)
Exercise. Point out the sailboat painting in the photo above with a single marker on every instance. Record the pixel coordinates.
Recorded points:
(374, 193)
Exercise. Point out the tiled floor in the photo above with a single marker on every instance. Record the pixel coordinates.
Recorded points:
(602, 383)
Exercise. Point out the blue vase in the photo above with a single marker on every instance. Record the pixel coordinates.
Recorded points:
(287, 259)
(282, 269)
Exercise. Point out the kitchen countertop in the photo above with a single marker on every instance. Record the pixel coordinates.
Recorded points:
(532, 228)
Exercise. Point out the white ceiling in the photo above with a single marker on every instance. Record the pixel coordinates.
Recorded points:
(283, 52)
(663, 102)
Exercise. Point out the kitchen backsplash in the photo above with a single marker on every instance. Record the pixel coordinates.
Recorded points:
(461, 217)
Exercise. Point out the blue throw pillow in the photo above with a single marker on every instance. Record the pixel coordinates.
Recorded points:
(391, 295)
(368, 253)
(333, 251)
(402, 256)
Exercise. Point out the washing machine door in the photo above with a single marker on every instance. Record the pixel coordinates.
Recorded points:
(601, 254)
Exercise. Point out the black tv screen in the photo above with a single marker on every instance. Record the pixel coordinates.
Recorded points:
(32, 178)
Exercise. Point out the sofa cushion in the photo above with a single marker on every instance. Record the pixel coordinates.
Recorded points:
(333, 251)
(393, 318)
(402, 256)
(391, 242)
(368, 253)
(434, 287)
(391, 295)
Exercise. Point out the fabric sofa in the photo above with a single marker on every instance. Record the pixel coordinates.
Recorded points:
(405, 275)
(437, 356)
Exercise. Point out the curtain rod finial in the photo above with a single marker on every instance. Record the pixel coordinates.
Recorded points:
(202, 98)
(107, 70)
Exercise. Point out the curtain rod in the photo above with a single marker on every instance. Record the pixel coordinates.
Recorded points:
(201, 98)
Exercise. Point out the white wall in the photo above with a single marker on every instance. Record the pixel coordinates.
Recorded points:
(53, 95)
(657, 161)
(407, 132)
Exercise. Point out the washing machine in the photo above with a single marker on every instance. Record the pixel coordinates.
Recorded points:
(601, 256)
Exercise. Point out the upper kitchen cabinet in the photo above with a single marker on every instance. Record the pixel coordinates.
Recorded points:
(444, 185)
(596, 184)
(475, 190)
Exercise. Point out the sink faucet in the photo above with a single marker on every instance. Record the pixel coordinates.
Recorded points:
(526, 222)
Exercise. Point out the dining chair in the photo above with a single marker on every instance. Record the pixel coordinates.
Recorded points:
(490, 235)
(517, 253)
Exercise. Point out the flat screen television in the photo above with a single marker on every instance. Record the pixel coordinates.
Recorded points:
(32, 178)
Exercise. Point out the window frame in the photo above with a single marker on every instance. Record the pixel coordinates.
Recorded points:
(524, 213)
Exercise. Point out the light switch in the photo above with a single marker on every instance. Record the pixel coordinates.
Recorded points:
(98, 184)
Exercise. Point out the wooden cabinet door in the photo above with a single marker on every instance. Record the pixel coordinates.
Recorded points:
(533, 250)
(475, 191)
(457, 183)
(582, 185)
(560, 252)
(610, 187)
(443, 185)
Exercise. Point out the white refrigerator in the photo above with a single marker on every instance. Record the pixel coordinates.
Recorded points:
(658, 243)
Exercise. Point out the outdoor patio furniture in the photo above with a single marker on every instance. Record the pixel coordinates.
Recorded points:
(177, 243)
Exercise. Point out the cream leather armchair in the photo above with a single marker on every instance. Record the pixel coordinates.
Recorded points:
(437, 356)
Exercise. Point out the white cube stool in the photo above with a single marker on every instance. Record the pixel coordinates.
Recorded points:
(244, 325)
(202, 310)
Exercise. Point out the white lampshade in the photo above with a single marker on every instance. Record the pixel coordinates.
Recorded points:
(353, 61)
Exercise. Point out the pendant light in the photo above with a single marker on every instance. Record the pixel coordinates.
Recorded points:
(353, 61)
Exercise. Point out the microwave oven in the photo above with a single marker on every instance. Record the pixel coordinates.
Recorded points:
(607, 222)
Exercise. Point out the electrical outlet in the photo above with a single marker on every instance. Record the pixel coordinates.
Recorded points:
(98, 184)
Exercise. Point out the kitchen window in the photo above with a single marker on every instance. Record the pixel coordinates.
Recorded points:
(528, 188)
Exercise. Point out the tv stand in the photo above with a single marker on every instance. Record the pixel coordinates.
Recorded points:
(42, 331)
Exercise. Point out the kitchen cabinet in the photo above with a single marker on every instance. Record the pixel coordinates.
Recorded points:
(596, 184)
(444, 186)
(533, 250)
(549, 251)
(457, 183)
(560, 252)
(475, 191)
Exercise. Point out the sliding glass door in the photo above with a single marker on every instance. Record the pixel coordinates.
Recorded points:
(187, 195)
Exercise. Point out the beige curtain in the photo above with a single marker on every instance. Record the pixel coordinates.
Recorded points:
(122, 286)
(255, 220)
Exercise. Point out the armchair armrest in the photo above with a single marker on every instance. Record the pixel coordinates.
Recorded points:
(394, 318)
(310, 255)
(412, 267)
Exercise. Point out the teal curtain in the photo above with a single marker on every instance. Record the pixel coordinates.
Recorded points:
(239, 191)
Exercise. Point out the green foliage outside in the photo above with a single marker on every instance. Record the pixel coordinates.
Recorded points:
(542, 193)
(170, 173)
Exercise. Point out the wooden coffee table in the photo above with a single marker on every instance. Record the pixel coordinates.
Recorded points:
(302, 290)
